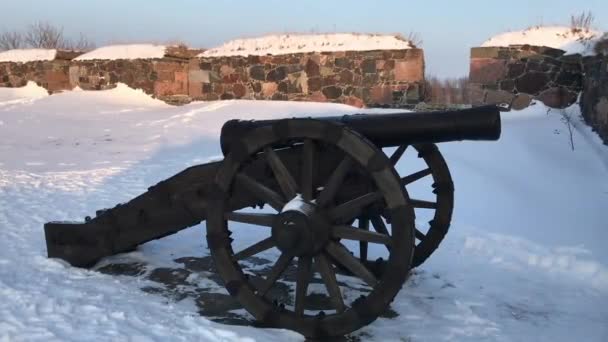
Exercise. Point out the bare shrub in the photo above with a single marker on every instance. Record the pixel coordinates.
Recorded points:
(83, 43)
(581, 22)
(43, 35)
(11, 40)
(446, 91)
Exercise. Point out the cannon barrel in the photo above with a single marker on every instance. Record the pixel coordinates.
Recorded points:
(385, 130)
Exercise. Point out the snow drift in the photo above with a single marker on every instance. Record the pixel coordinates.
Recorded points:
(559, 37)
(525, 256)
(301, 43)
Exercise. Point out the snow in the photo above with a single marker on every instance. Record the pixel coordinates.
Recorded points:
(559, 37)
(27, 55)
(125, 51)
(525, 257)
(301, 43)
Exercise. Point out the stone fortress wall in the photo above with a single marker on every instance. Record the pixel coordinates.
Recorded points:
(594, 98)
(518, 74)
(359, 78)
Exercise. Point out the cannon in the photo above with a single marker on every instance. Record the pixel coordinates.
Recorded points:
(323, 195)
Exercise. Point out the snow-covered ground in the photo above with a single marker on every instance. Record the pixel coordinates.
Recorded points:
(559, 37)
(525, 258)
(27, 55)
(300, 43)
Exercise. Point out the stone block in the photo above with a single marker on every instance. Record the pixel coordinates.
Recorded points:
(532, 82)
(557, 97)
(332, 92)
(198, 76)
(498, 96)
(409, 70)
(521, 101)
(269, 88)
(195, 90)
(487, 70)
(381, 95)
(354, 101)
(485, 52)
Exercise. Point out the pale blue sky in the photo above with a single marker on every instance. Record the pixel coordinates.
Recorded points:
(448, 28)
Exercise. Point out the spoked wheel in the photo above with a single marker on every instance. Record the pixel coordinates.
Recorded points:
(309, 224)
(439, 201)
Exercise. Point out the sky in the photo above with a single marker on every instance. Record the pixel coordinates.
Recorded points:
(448, 29)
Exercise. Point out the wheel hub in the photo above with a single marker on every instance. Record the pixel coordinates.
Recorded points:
(298, 229)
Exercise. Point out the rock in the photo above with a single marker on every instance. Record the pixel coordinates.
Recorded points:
(269, 88)
(346, 76)
(312, 68)
(257, 72)
(239, 90)
(507, 85)
(226, 70)
(411, 70)
(381, 95)
(276, 74)
(521, 101)
(354, 101)
(314, 83)
(486, 70)
(498, 96)
(532, 82)
(557, 97)
(332, 92)
(516, 69)
(368, 66)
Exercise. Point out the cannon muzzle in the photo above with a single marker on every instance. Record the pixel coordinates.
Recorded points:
(385, 130)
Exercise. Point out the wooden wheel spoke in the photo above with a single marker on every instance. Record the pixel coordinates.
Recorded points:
(302, 280)
(353, 208)
(419, 235)
(261, 191)
(254, 249)
(380, 227)
(416, 203)
(286, 182)
(329, 278)
(258, 219)
(308, 164)
(394, 158)
(363, 225)
(352, 233)
(415, 176)
(278, 268)
(343, 256)
(334, 182)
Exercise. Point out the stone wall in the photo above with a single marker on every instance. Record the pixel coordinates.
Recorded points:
(359, 78)
(594, 99)
(356, 78)
(520, 73)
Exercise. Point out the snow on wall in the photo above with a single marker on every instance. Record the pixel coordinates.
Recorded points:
(301, 43)
(127, 51)
(558, 37)
(27, 55)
